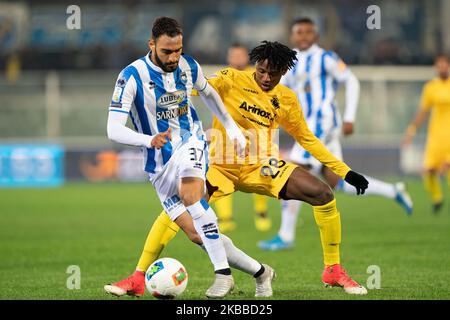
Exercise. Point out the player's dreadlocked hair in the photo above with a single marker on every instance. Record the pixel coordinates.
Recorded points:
(279, 57)
(166, 25)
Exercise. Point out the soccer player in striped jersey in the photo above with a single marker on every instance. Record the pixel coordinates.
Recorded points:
(259, 105)
(435, 99)
(155, 92)
(315, 78)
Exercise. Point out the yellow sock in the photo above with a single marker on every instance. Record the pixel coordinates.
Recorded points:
(224, 208)
(260, 203)
(433, 186)
(329, 221)
(163, 230)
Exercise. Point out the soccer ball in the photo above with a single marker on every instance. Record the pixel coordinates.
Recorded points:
(166, 278)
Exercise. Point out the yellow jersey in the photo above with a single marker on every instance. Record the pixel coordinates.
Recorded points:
(436, 97)
(260, 113)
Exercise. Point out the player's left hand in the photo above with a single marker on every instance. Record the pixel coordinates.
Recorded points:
(347, 128)
(358, 181)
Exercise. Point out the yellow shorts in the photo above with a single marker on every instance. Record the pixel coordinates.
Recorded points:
(267, 178)
(437, 155)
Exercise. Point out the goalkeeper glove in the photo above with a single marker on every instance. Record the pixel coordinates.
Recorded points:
(358, 181)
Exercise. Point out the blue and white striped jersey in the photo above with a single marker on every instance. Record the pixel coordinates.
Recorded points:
(158, 100)
(314, 79)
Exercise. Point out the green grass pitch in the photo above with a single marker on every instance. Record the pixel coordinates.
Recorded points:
(102, 228)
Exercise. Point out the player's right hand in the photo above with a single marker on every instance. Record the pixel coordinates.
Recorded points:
(358, 181)
(239, 140)
(161, 139)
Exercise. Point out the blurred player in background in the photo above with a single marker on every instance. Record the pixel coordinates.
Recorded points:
(435, 98)
(260, 105)
(155, 92)
(314, 78)
(238, 58)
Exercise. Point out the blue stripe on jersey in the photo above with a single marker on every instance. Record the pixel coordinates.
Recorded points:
(335, 88)
(193, 66)
(194, 115)
(333, 107)
(115, 110)
(308, 85)
(133, 122)
(139, 104)
(307, 155)
(323, 82)
(183, 119)
(162, 124)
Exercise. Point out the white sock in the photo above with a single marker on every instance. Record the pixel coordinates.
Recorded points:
(205, 223)
(376, 187)
(289, 214)
(239, 259)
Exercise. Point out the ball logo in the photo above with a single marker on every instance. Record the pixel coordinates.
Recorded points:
(179, 276)
(155, 268)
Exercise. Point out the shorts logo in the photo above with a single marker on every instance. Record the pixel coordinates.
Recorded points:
(171, 98)
(210, 230)
(172, 201)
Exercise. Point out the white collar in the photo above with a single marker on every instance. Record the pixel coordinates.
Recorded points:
(310, 50)
(152, 65)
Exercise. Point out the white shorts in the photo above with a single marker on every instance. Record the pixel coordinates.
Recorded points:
(299, 155)
(190, 160)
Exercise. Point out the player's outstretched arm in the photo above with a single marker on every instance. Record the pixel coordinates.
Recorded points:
(118, 131)
(212, 100)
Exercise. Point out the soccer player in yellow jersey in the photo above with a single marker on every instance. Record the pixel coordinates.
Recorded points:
(259, 104)
(237, 58)
(435, 98)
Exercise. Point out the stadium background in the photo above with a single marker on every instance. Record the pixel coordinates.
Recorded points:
(56, 84)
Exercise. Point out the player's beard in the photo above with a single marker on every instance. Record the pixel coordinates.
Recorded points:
(164, 66)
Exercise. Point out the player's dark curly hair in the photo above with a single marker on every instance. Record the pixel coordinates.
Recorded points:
(279, 57)
(167, 26)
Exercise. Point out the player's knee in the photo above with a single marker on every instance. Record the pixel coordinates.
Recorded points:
(326, 194)
(189, 198)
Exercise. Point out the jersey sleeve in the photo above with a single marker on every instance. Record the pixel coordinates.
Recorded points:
(124, 92)
(222, 81)
(336, 67)
(293, 121)
(426, 101)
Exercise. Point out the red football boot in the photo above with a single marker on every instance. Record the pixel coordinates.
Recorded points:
(336, 276)
(134, 285)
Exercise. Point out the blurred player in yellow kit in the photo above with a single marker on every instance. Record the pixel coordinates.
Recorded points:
(238, 58)
(259, 105)
(435, 98)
